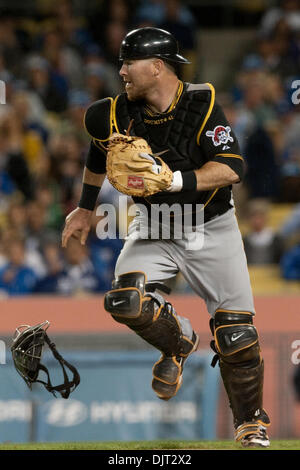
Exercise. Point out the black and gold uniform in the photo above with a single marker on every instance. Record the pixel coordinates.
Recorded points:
(191, 132)
(193, 129)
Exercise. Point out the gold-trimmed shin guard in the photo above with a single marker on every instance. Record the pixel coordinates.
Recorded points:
(242, 368)
(156, 321)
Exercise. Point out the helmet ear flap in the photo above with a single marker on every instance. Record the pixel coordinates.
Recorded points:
(27, 348)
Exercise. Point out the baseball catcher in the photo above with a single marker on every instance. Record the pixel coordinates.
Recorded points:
(179, 149)
(27, 348)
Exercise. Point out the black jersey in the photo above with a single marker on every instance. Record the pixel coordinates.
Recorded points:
(200, 123)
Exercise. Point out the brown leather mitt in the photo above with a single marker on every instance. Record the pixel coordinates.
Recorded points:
(132, 168)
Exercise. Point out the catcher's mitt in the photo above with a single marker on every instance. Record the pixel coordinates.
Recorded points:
(132, 168)
(27, 348)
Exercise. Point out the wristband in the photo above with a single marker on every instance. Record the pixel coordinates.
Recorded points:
(189, 181)
(183, 181)
(89, 196)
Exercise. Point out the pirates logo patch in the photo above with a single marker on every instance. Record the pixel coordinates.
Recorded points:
(220, 135)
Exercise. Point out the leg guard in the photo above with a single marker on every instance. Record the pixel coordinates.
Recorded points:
(241, 366)
(156, 321)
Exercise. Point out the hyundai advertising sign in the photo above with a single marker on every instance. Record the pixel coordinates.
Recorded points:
(114, 401)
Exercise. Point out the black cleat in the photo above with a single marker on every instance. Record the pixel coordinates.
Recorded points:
(167, 372)
(254, 433)
(254, 436)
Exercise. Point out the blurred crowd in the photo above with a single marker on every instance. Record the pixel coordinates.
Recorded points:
(56, 64)
(263, 108)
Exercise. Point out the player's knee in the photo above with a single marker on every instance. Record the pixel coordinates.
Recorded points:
(236, 338)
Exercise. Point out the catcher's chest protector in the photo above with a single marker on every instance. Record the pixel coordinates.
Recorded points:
(180, 136)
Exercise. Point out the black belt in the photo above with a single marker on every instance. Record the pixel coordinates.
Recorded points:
(209, 214)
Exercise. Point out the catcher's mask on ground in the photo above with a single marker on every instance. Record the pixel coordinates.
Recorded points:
(27, 348)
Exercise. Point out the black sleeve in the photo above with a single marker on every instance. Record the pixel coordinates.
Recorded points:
(219, 143)
(96, 158)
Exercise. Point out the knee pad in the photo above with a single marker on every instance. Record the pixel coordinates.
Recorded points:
(124, 301)
(235, 337)
(147, 313)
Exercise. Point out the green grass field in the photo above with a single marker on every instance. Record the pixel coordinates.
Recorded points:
(148, 445)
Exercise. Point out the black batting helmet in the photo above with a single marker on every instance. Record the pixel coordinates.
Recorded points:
(150, 42)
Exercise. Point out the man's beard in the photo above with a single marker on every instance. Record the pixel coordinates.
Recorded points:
(135, 95)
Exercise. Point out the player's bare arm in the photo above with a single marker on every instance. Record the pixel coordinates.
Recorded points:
(78, 222)
(210, 176)
(215, 175)
(94, 179)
